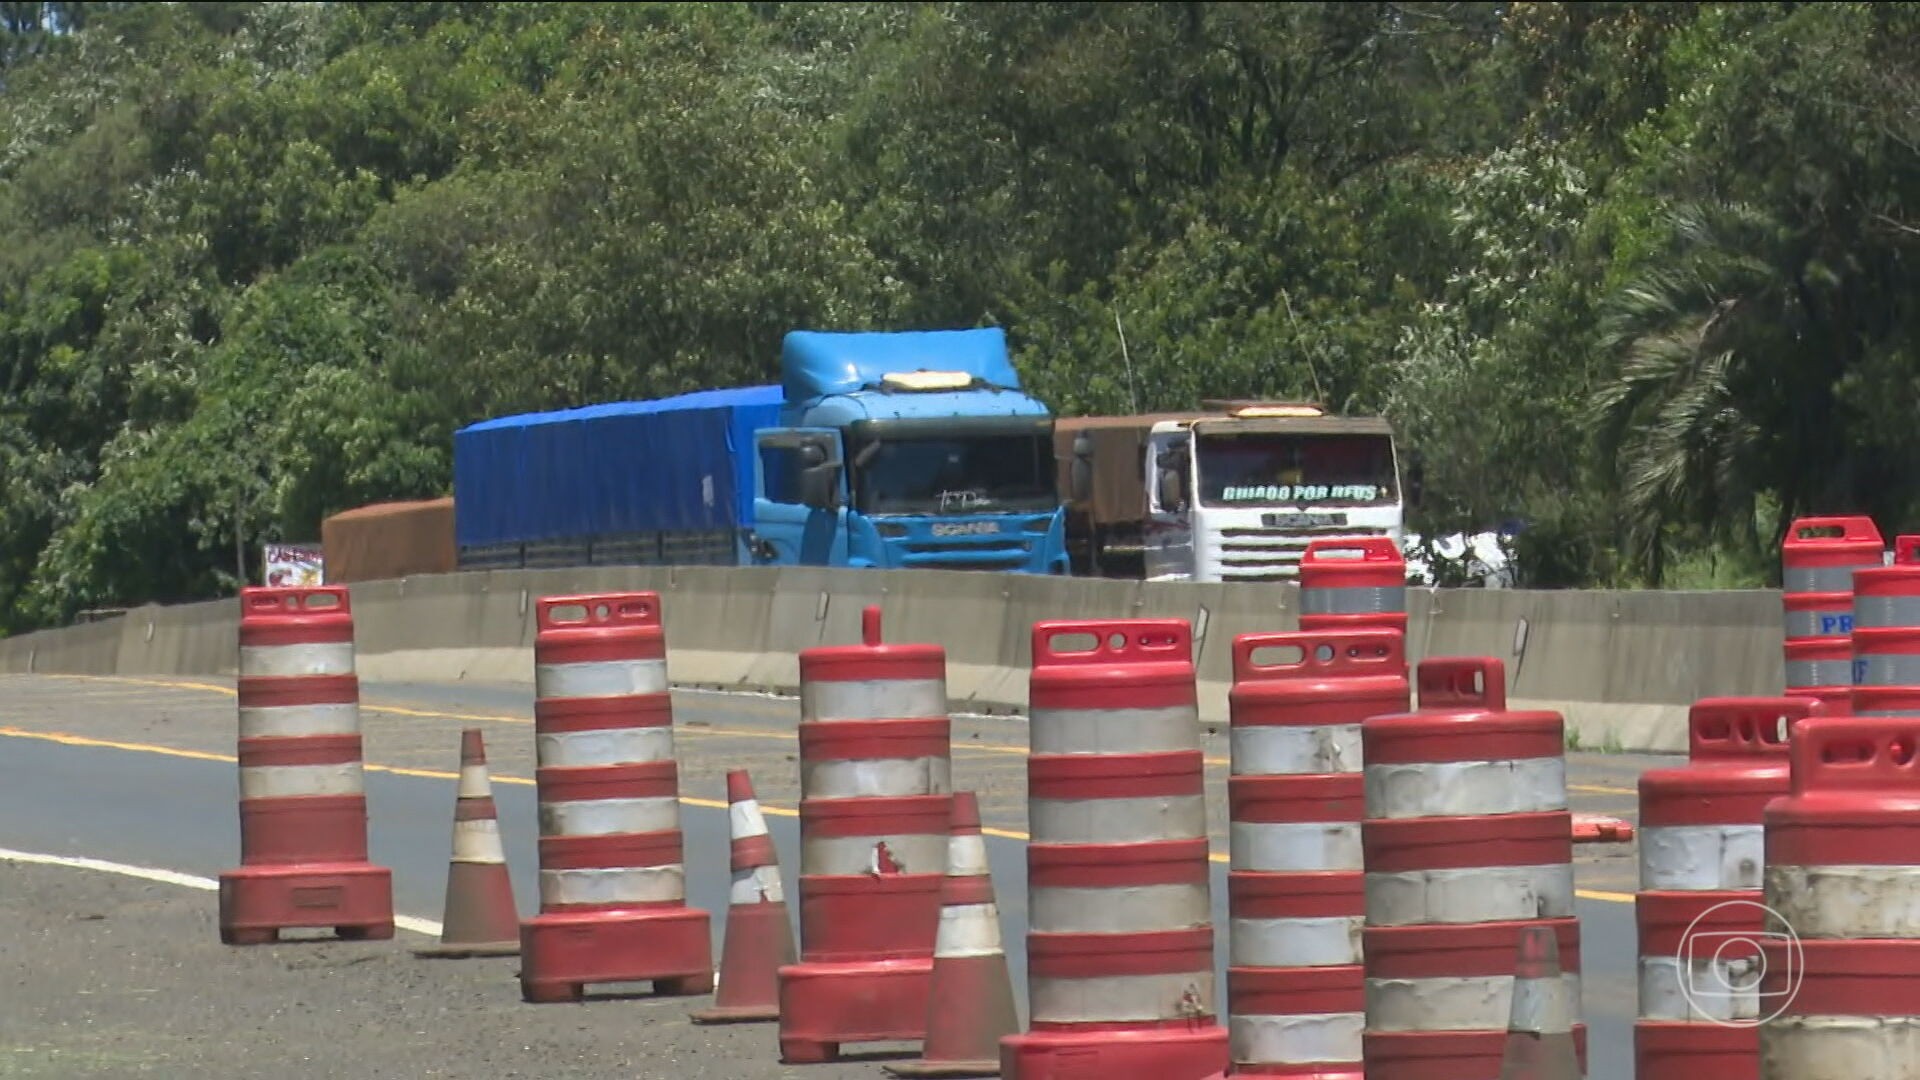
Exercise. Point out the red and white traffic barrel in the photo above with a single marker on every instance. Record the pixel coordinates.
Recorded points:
(1120, 975)
(1886, 634)
(1467, 842)
(612, 875)
(1352, 583)
(1699, 910)
(1817, 561)
(303, 801)
(876, 802)
(1840, 992)
(1296, 990)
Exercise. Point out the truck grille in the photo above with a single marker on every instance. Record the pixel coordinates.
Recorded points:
(1007, 554)
(1272, 554)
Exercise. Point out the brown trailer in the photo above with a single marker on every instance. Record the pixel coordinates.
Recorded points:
(389, 540)
(1105, 529)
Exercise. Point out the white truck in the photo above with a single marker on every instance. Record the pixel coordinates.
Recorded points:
(1232, 493)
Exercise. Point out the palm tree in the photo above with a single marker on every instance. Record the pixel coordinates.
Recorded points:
(1730, 352)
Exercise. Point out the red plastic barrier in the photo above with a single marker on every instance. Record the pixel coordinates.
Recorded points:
(876, 803)
(303, 803)
(1840, 995)
(1467, 842)
(1295, 985)
(1699, 907)
(1818, 559)
(612, 874)
(1886, 634)
(1120, 949)
(1353, 583)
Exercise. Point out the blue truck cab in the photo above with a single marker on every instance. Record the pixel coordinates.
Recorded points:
(902, 450)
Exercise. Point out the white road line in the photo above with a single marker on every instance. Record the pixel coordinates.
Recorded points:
(172, 877)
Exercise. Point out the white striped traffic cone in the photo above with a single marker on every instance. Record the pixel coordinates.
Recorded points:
(1540, 1033)
(759, 934)
(480, 916)
(970, 1005)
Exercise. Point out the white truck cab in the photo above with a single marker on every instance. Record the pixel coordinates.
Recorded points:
(1238, 496)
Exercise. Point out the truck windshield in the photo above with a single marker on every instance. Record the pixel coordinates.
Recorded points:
(1272, 469)
(954, 474)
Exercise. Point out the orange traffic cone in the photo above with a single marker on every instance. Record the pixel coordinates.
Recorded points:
(480, 916)
(759, 935)
(970, 1002)
(1540, 1033)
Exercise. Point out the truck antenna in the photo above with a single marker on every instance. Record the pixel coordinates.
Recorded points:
(1133, 395)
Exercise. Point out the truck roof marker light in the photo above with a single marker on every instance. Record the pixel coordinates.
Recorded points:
(1255, 412)
(922, 381)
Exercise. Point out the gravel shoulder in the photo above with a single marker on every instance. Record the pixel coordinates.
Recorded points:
(109, 976)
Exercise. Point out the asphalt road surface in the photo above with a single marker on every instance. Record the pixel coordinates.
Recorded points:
(140, 772)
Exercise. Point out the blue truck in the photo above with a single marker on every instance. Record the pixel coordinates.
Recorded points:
(897, 450)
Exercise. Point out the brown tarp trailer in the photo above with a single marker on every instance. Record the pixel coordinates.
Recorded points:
(1119, 462)
(389, 540)
(1104, 530)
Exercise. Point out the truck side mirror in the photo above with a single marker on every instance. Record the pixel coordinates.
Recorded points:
(820, 486)
(1080, 474)
(1415, 481)
(1173, 493)
(1081, 480)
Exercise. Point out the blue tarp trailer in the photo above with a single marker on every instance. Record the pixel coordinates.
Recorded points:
(614, 476)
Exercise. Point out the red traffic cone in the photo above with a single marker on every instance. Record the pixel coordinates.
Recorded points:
(759, 935)
(1540, 1033)
(480, 916)
(970, 1002)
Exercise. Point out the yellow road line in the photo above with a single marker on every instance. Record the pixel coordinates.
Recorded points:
(960, 746)
(67, 739)
(1603, 789)
(495, 718)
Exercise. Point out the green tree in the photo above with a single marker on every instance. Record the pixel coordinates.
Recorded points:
(1760, 337)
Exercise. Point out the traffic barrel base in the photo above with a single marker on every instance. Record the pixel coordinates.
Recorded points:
(1446, 1055)
(564, 952)
(1685, 1051)
(1182, 1052)
(355, 900)
(826, 1005)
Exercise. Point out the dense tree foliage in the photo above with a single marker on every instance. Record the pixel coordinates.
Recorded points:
(1639, 277)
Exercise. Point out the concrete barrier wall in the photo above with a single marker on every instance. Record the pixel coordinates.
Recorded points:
(1623, 667)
